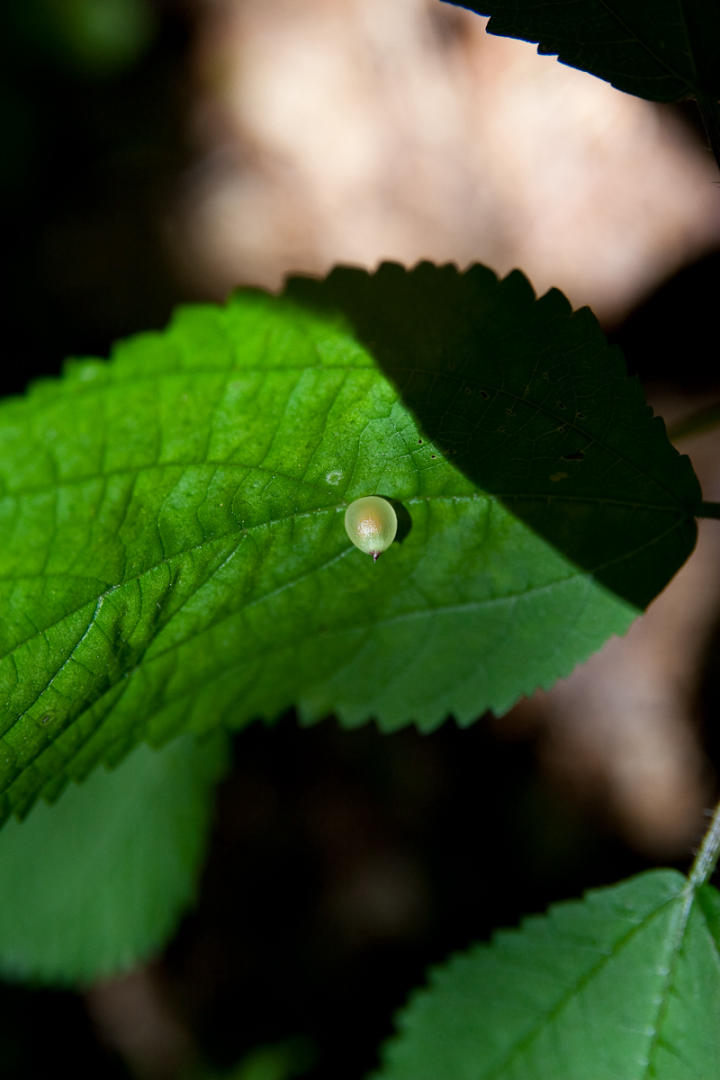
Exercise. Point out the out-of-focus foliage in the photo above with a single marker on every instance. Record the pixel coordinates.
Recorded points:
(98, 881)
(94, 38)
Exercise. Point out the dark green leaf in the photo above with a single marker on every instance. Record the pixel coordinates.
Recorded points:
(665, 50)
(174, 553)
(99, 881)
(624, 985)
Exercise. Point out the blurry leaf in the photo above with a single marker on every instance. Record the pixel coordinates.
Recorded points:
(97, 882)
(174, 557)
(625, 984)
(280, 1061)
(96, 38)
(665, 50)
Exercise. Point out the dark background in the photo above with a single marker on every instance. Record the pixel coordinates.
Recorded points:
(342, 864)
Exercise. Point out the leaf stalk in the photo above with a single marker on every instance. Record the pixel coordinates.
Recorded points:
(708, 510)
(707, 857)
(705, 419)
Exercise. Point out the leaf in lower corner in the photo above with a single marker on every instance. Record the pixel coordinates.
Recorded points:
(624, 984)
(98, 881)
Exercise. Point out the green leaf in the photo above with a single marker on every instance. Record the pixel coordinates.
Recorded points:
(665, 50)
(624, 985)
(174, 554)
(99, 881)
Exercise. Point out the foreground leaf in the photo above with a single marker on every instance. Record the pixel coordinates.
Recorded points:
(665, 51)
(174, 557)
(624, 985)
(99, 881)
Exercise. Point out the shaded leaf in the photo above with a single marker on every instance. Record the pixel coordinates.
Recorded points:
(664, 51)
(624, 985)
(174, 555)
(98, 881)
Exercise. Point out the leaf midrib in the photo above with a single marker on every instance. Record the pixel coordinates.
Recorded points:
(503, 496)
(316, 634)
(335, 509)
(580, 983)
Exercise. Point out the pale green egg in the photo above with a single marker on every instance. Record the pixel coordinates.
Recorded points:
(371, 524)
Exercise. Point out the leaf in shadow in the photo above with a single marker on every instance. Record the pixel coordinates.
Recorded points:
(665, 51)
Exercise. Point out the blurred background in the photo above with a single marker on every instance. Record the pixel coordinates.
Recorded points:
(166, 151)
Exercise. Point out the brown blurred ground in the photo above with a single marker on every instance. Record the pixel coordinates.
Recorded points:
(359, 130)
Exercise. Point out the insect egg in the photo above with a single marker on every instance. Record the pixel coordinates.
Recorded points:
(371, 524)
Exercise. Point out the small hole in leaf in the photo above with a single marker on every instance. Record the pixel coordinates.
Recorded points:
(484, 394)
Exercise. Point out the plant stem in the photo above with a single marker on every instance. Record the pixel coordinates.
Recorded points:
(710, 113)
(701, 420)
(708, 510)
(707, 857)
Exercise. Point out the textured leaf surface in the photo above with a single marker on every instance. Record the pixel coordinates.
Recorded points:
(665, 50)
(624, 985)
(174, 556)
(98, 881)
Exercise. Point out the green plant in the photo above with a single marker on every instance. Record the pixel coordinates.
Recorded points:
(175, 564)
